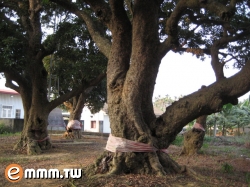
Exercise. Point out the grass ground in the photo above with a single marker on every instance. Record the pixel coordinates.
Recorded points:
(223, 161)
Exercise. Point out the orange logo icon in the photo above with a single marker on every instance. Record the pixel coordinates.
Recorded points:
(14, 172)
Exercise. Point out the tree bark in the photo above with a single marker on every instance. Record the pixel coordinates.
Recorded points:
(223, 130)
(75, 108)
(193, 139)
(34, 136)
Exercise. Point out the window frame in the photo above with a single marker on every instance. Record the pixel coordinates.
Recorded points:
(7, 111)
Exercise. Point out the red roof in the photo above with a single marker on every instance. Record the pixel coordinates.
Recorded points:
(8, 91)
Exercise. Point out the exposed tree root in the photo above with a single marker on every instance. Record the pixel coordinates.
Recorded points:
(33, 147)
(195, 175)
(107, 167)
(153, 163)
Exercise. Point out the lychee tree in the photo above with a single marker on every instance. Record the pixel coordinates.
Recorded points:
(143, 32)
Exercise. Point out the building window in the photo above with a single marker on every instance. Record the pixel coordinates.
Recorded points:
(6, 111)
(18, 113)
(93, 124)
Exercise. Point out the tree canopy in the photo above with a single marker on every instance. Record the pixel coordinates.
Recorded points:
(135, 35)
(27, 43)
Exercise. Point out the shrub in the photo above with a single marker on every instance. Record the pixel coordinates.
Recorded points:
(248, 178)
(4, 129)
(178, 140)
(208, 139)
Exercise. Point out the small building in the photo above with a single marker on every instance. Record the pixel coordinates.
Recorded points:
(98, 122)
(11, 105)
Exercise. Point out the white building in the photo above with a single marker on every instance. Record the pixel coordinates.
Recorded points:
(11, 105)
(98, 122)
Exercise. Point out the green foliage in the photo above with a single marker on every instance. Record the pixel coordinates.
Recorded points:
(77, 59)
(178, 140)
(205, 145)
(45, 1)
(231, 116)
(163, 102)
(208, 139)
(248, 178)
(97, 97)
(241, 139)
(4, 129)
(227, 168)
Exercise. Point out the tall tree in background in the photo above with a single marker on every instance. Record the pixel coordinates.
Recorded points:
(22, 51)
(143, 32)
(163, 102)
(76, 62)
(240, 118)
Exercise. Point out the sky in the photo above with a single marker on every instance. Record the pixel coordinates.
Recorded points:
(184, 74)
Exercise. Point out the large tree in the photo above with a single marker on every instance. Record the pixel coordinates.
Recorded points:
(23, 49)
(143, 32)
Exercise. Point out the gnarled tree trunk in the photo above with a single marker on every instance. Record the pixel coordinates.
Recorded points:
(134, 58)
(131, 75)
(34, 136)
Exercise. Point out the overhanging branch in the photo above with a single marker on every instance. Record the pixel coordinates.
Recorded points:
(203, 102)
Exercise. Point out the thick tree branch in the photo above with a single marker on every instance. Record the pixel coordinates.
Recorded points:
(97, 80)
(96, 31)
(25, 17)
(10, 84)
(224, 12)
(120, 26)
(76, 91)
(12, 75)
(34, 20)
(101, 9)
(172, 24)
(221, 10)
(54, 103)
(194, 105)
(215, 62)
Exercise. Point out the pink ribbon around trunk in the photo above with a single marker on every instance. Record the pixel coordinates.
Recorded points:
(198, 126)
(116, 144)
(74, 124)
(46, 138)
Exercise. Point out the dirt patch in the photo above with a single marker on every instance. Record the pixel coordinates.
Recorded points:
(220, 165)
